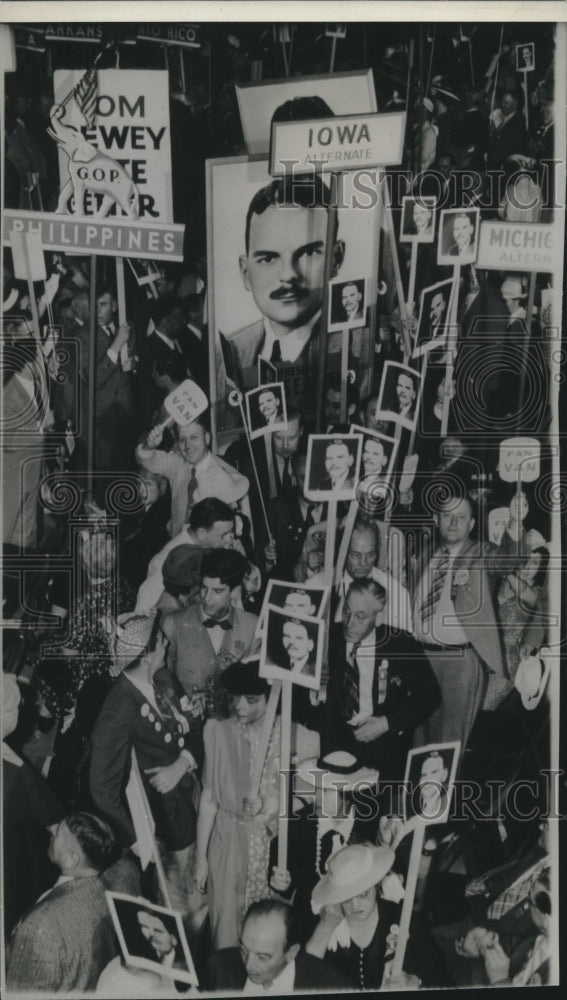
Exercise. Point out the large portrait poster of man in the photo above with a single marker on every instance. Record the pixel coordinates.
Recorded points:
(267, 242)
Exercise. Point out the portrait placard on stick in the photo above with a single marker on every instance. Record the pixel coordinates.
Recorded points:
(525, 57)
(333, 466)
(433, 317)
(266, 409)
(458, 236)
(378, 454)
(293, 598)
(418, 220)
(151, 937)
(339, 94)
(292, 648)
(429, 780)
(348, 301)
(399, 392)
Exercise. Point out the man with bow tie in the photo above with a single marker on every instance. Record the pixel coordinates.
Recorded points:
(208, 635)
(380, 688)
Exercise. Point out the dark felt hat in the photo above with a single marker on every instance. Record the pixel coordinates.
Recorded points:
(244, 678)
(182, 567)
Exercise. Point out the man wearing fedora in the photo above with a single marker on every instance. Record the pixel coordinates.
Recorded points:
(270, 958)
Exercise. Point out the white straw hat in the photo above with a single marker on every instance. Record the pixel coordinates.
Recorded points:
(337, 770)
(351, 871)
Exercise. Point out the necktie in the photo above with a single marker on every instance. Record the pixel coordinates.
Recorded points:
(309, 519)
(351, 685)
(211, 623)
(438, 569)
(516, 892)
(286, 477)
(276, 353)
(191, 487)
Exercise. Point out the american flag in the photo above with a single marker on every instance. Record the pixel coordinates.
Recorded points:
(86, 95)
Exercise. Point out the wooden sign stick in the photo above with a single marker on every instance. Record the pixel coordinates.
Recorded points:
(526, 346)
(407, 908)
(344, 376)
(418, 405)
(452, 345)
(270, 465)
(256, 476)
(336, 193)
(267, 727)
(330, 541)
(345, 540)
(412, 277)
(285, 755)
(397, 273)
(526, 99)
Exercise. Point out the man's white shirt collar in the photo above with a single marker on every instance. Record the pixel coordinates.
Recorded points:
(292, 344)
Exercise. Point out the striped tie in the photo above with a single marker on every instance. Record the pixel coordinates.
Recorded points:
(439, 567)
(351, 685)
(191, 487)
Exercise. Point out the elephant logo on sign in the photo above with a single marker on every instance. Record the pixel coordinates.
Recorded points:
(91, 170)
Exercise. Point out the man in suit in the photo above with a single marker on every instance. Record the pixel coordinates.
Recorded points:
(270, 958)
(66, 940)
(210, 526)
(114, 382)
(381, 686)
(168, 334)
(299, 647)
(339, 461)
(191, 469)
(433, 327)
(290, 517)
(164, 945)
(455, 617)
(352, 301)
(366, 555)
(510, 135)
(269, 406)
(406, 395)
(283, 268)
(207, 636)
(463, 235)
(30, 808)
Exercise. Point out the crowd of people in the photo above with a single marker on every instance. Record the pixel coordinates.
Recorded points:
(138, 552)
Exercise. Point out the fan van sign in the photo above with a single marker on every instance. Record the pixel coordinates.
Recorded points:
(348, 142)
(125, 152)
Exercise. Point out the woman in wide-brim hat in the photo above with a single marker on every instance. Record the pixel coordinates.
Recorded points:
(236, 823)
(339, 808)
(356, 924)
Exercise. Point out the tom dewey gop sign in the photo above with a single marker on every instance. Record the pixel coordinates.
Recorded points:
(114, 143)
(518, 246)
(348, 142)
